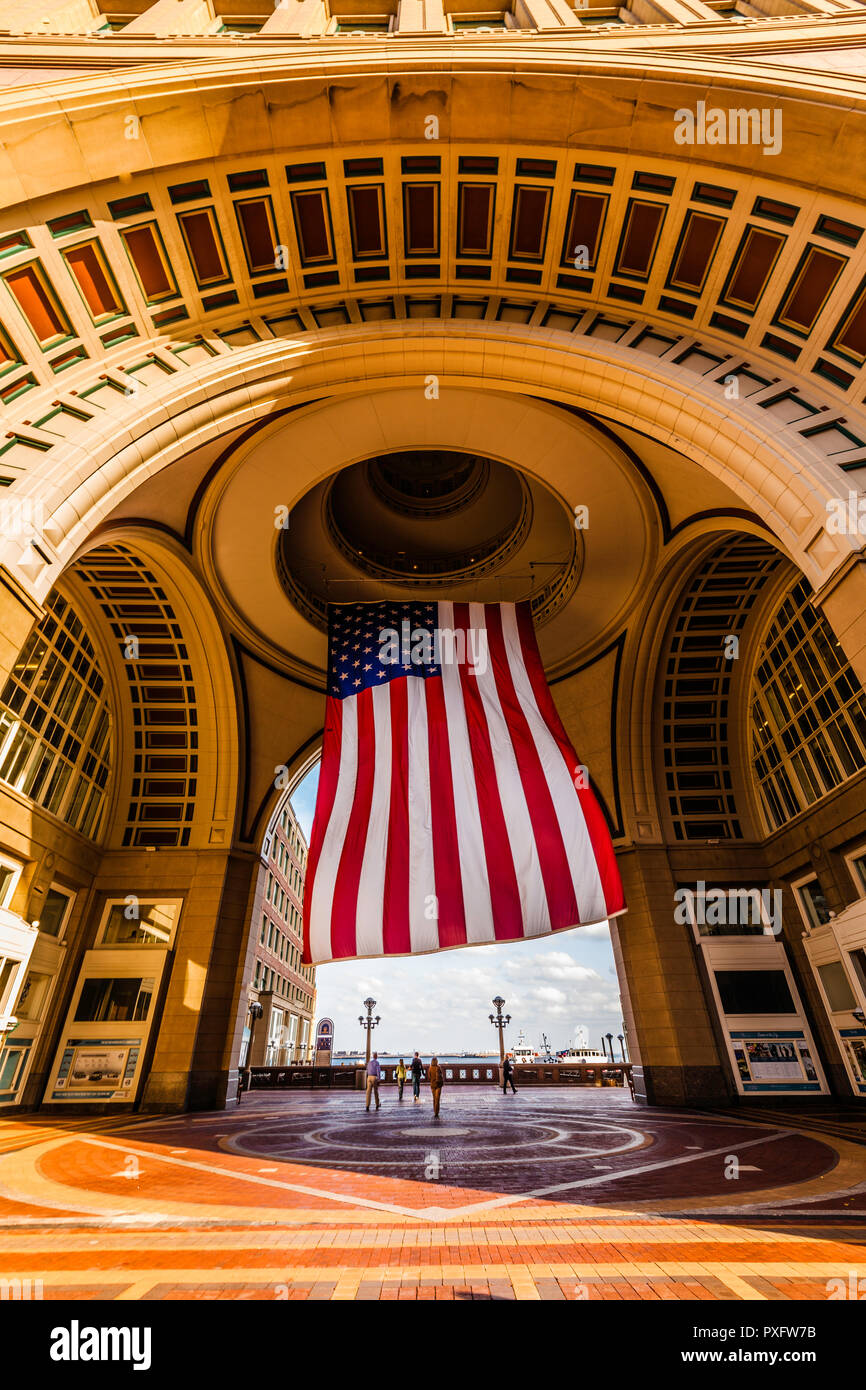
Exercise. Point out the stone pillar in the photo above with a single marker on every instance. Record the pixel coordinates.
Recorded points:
(195, 1060)
(168, 17)
(296, 19)
(545, 14)
(421, 17)
(671, 1037)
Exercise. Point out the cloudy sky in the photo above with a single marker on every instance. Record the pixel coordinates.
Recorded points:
(442, 1002)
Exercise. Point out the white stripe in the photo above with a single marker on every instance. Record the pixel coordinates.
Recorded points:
(332, 847)
(473, 864)
(423, 916)
(369, 935)
(516, 813)
(585, 877)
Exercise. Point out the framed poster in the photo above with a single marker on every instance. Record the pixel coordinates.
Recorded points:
(99, 1067)
(774, 1061)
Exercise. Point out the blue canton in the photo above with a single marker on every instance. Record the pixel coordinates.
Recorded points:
(356, 643)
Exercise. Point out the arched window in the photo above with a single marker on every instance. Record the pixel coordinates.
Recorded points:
(808, 711)
(54, 721)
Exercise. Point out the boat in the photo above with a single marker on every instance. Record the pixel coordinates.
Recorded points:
(580, 1054)
(582, 1057)
(522, 1052)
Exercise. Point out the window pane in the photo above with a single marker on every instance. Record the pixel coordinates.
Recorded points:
(837, 986)
(148, 924)
(754, 992)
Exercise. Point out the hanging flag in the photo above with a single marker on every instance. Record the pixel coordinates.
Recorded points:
(452, 809)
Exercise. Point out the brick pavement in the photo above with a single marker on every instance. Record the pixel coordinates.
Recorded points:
(548, 1195)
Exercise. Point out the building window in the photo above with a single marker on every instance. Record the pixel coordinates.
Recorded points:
(808, 712)
(10, 872)
(9, 967)
(114, 1000)
(837, 987)
(12, 1061)
(55, 911)
(33, 995)
(754, 992)
(857, 865)
(858, 962)
(813, 904)
(134, 922)
(54, 721)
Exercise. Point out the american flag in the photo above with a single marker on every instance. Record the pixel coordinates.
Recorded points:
(452, 809)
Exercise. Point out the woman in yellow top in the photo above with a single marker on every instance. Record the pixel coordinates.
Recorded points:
(400, 1076)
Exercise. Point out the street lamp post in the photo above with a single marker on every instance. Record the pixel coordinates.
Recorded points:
(609, 1037)
(245, 1077)
(369, 1023)
(500, 1021)
(621, 1040)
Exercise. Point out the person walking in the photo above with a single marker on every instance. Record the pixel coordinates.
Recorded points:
(374, 1075)
(436, 1077)
(416, 1070)
(508, 1076)
(400, 1076)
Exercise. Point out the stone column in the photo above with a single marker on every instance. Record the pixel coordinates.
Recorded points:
(195, 1060)
(671, 1036)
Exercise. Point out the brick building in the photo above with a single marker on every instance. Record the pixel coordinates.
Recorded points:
(284, 987)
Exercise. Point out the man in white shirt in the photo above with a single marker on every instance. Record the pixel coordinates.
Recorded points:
(374, 1073)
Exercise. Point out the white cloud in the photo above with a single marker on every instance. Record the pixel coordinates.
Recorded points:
(443, 1001)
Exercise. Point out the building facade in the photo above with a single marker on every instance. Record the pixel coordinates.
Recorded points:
(348, 301)
(284, 986)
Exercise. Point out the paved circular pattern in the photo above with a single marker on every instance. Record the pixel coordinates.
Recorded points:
(493, 1139)
(550, 1195)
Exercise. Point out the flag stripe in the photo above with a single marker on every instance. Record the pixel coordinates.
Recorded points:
(470, 839)
(345, 909)
(371, 886)
(552, 857)
(582, 867)
(325, 795)
(396, 939)
(446, 847)
(517, 813)
(602, 849)
(422, 882)
(332, 841)
(501, 875)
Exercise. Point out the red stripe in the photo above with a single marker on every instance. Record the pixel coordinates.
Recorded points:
(345, 909)
(552, 856)
(328, 774)
(396, 939)
(596, 825)
(501, 873)
(451, 923)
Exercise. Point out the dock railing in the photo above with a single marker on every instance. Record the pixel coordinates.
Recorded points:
(456, 1073)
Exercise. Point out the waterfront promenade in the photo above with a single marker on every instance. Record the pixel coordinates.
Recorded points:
(554, 1194)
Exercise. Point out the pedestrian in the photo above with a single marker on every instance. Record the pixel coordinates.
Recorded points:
(436, 1077)
(400, 1076)
(374, 1074)
(508, 1076)
(416, 1070)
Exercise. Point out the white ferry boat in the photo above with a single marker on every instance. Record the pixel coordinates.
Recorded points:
(581, 1057)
